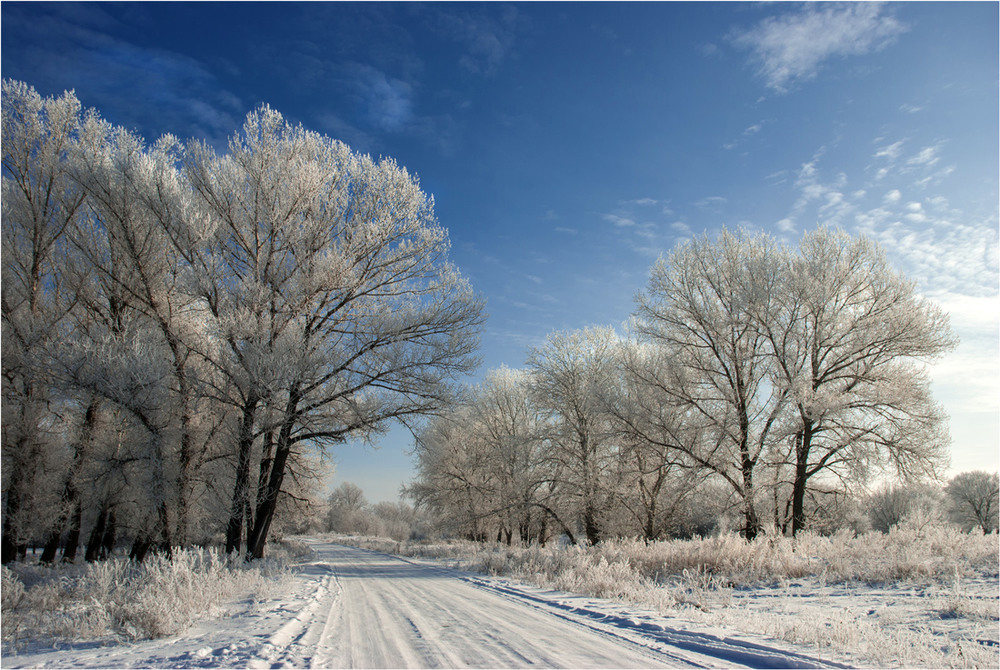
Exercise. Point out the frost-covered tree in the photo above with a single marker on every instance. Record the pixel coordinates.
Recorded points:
(346, 506)
(486, 469)
(40, 201)
(892, 504)
(138, 206)
(658, 476)
(974, 500)
(570, 373)
(698, 306)
(848, 336)
(452, 479)
(210, 311)
(347, 312)
(511, 431)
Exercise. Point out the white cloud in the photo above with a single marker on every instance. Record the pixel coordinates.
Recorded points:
(890, 152)
(712, 203)
(970, 371)
(488, 39)
(926, 157)
(793, 46)
(620, 221)
(892, 196)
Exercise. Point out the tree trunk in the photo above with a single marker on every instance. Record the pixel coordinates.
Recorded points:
(803, 442)
(268, 501)
(108, 543)
(268, 495)
(73, 536)
(10, 546)
(51, 545)
(751, 523)
(590, 526)
(140, 546)
(267, 457)
(96, 536)
(70, 496)
(234, 530)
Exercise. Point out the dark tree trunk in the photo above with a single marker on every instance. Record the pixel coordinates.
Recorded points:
(146, 541)
(268, 495)
(140, 547)
(52, 545)
(590, 526)
(268, 501)
(70, 495)
(266, 459)
(96, 537)
(108, 542)
(10, 547)
(73, 536)
(803, 442)
(751, 523)
(234, 529)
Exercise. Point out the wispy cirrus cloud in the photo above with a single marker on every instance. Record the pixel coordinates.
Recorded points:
(794, 46)
(927, 238)
(488, 37)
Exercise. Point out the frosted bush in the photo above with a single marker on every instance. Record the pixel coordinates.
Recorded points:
(120, 599)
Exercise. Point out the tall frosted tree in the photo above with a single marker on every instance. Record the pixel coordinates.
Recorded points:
(699, 306)
(848, 336)
(337, 306)
(287, 294)
(570, 372)
(40, 201)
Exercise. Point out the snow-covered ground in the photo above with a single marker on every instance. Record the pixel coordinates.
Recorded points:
(351, 607)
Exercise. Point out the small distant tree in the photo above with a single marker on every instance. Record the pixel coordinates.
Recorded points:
(893, 503)
(347, 507)
(974, 500)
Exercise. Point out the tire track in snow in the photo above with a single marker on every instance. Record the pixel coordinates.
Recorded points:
(394, 613)
(632, 628)
(402, 613)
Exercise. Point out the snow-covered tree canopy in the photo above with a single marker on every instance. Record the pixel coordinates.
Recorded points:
(288, 292)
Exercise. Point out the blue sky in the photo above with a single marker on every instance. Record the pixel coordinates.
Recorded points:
(567, 145)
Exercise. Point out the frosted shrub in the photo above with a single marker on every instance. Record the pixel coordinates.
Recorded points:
(121, 599)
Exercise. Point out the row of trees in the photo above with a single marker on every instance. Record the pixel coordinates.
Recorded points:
(183, 327)
(766, 379)
(349, 512)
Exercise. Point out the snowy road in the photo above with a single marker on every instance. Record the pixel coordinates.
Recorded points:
(353, 608)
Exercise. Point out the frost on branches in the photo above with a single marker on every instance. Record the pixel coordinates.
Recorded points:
(758, 387)
(182, 326)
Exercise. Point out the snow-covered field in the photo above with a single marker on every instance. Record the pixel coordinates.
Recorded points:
(352, 607)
